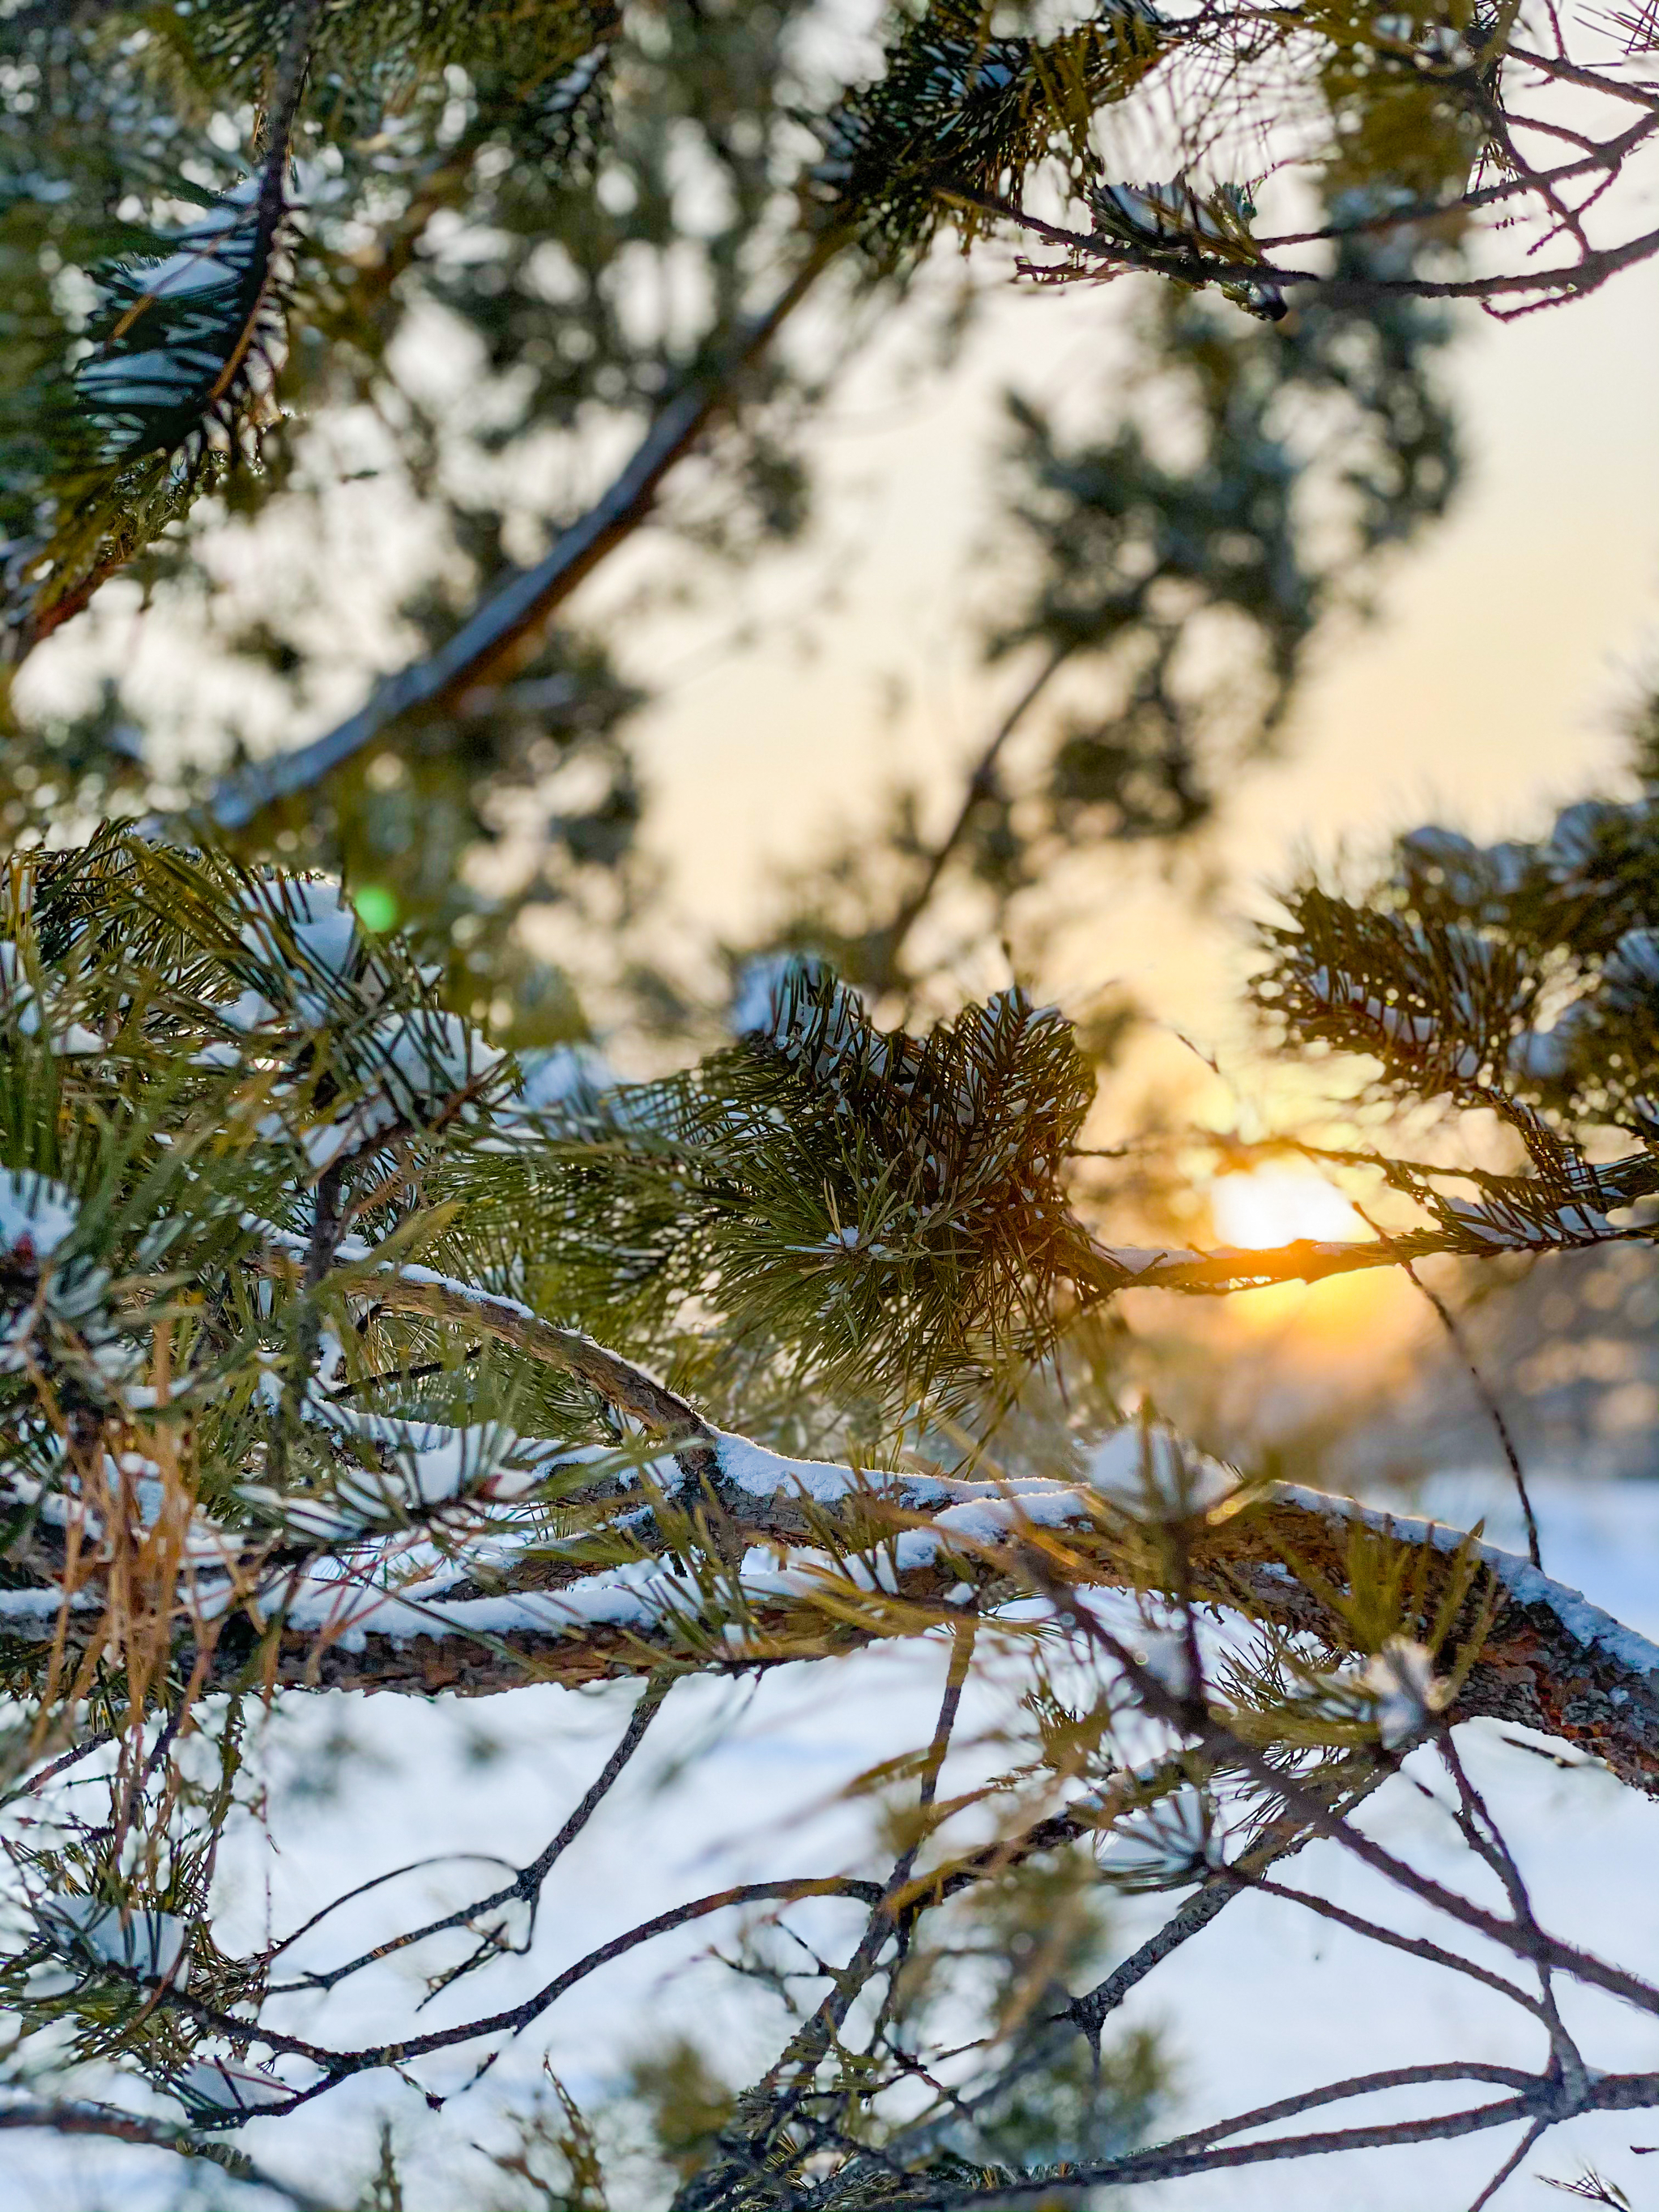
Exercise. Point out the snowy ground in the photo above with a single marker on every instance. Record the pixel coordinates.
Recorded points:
(1269, 2000)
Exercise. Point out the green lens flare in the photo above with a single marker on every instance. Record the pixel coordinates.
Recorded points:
(377, 908)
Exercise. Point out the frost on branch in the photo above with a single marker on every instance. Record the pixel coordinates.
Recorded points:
(430, 1374)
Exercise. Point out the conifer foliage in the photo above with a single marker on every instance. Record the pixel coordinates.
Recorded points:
(1519, 978)
(341, 1349)
(185, 189)
(886, 1211)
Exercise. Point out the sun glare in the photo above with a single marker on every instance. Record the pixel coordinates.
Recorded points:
(1277, 1206)
(1366, 1313)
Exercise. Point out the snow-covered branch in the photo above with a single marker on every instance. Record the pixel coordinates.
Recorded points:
(1482, 1231)
(837, 1556)
(402, 1287)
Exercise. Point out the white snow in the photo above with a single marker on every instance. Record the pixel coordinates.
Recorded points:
(416, 1064)
(642, 1594)
(249, 1010)
(35, 1612)
(561, 1078)
(20, 1003)
(765, 987)
(36, 1217)
(218, 2085)
(1168, 1844)
(1404, 1691)
(313, 912)
(1267, 2001)
(765, 1474)
(1588, 1624)
(150, 1944)
(1152, 1467)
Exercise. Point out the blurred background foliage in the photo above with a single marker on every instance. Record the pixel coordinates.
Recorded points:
(515, 248)
(510, 258)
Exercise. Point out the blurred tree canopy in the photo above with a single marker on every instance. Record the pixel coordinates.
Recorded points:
(252, 252)
(361, 1330)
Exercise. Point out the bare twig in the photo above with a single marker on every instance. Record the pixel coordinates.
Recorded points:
(777, 2098)
(1195, 1721)
(982, 782)
(526, 1884)
(1586, 274)
(70, 2118)
(1510, 2164)
(1414, 1947)
(1490, 1400)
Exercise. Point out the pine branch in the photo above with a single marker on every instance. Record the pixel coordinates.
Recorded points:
(1550, 1661)
(1187, 1709)
(1106, 256)
(401, 1288)
(1316, 1260)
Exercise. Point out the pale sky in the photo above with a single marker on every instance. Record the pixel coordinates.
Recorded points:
(1487, 691)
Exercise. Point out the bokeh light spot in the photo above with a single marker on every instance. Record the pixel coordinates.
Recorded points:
(377, 908)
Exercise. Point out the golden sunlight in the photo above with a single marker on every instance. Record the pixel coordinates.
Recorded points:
(1362, 1314)
(1276, 1206)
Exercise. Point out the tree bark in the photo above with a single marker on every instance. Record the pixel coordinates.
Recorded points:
(1550, 1661)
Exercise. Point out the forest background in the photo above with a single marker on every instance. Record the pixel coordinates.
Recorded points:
(798, 677)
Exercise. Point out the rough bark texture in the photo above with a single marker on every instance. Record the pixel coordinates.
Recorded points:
(1549, 1660)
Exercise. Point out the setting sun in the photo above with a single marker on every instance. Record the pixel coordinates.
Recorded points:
(1276, 1206)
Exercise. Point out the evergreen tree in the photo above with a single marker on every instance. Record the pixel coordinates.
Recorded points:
(376, 179)
(342, 1347)
(343, 1350)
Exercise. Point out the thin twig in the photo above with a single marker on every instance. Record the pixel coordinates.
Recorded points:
(1489, 1399)
(1214, 1738)
(776, 2098)
(526, 1883)
(1584, 276)
(1414, 1947)
(69, 2117)
(982, 782)
(1538, 2129)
